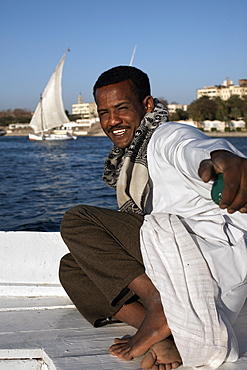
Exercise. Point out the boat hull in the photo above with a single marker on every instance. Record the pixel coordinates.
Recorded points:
(51, 137)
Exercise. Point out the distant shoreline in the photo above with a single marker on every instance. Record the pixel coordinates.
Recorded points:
(227, 134)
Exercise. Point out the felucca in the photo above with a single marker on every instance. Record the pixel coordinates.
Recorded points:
(50, 113)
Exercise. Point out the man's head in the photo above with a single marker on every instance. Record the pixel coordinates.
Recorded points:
(139, 80)
(122, 95)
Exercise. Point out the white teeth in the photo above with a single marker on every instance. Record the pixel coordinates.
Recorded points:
(119, 132)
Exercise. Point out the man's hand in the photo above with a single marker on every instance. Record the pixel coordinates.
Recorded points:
(234, 168)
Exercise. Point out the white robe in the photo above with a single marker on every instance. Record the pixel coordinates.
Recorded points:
(194, 252)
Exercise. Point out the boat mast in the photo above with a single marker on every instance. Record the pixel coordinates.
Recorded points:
(132, 56)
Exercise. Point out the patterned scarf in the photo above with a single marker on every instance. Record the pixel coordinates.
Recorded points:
(126, 169)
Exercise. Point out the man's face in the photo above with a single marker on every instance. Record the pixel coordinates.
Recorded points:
(120, 112)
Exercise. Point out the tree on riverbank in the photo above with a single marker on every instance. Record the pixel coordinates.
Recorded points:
(9, 116)
(205, 108)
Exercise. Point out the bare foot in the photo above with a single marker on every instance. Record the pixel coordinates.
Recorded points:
(152, 330)
(162, 355)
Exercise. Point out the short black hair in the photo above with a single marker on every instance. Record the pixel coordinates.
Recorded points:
(139, 80)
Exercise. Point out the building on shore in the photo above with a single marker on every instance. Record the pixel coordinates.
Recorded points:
(84, 110)
(88, 122)
(215, 125)
(174, 106)
(220, 126)
(225, 90)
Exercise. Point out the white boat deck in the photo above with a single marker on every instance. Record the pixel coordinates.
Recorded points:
(40, 329)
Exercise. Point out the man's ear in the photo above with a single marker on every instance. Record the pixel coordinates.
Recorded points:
(148, 103)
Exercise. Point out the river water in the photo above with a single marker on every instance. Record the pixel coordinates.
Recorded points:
(39, 181)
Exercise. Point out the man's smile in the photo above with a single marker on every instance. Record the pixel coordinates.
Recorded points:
(118, 131)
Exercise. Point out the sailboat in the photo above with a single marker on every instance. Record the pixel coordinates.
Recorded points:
(50, 113)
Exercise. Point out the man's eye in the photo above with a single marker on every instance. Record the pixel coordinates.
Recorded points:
(123, 107)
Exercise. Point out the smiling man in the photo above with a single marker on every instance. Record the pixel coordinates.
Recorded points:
(166, 211)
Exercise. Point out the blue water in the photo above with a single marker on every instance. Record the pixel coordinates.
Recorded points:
(39, 181)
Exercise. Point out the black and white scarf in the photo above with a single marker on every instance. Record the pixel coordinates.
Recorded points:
(126, 169)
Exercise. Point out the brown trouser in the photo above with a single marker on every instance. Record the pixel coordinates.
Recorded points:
(104, 258)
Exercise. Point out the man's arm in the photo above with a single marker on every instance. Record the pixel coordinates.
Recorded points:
(234, 168)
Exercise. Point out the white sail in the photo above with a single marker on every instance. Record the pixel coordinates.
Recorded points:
(50, 110)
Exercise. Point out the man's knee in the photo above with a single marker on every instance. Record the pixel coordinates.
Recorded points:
(71, 218)
(63, 268)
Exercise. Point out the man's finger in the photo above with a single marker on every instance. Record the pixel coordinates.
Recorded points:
(235, 202)
(206, 170)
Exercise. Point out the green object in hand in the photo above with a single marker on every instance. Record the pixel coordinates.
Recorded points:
(217, 188)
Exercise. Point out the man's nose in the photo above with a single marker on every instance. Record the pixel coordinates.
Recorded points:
(114, 118)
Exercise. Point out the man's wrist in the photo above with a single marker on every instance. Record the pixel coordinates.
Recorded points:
(218, 154)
